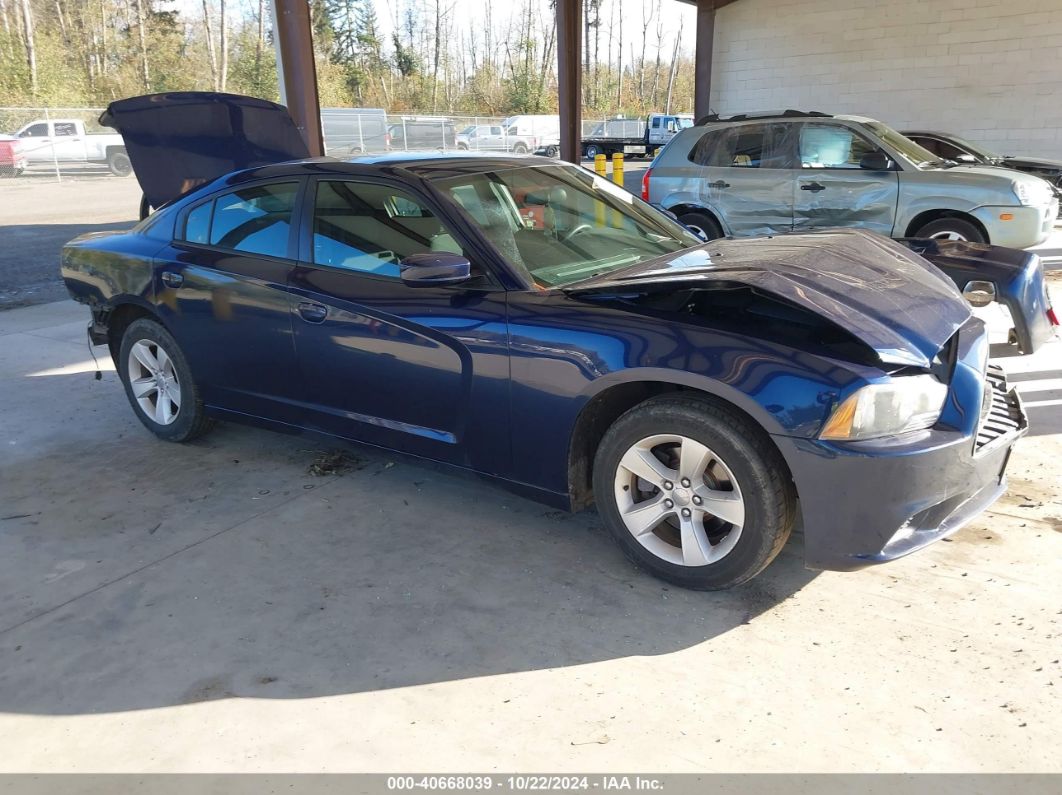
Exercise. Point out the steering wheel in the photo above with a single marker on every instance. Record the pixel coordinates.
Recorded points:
(578, 230)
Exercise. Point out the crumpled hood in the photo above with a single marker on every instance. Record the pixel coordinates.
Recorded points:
(1018, 161)
(183, 139)
(893, 300)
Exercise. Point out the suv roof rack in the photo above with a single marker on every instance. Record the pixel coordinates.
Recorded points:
(764, 114)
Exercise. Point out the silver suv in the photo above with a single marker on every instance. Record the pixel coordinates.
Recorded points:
(788, 171)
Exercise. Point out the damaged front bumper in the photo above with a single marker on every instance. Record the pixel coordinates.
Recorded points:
(874, 501)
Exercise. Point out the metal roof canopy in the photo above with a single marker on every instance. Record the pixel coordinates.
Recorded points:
(298, 76)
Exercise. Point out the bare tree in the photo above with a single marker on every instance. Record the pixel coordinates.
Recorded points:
(674, 67)
(646, 19)
(142, 38)
(211, 52)
(223, 68)
(31, 45)
(619, 89)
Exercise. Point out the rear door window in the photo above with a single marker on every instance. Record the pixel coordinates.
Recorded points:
(743, 146)
(255, 219)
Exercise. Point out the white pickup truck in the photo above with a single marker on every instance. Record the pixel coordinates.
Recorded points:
(65, 141)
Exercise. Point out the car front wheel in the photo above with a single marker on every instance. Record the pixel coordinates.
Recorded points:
(951, 229)
(693, 492)
(159, 383)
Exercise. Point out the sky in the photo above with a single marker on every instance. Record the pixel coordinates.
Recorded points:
(468, 13)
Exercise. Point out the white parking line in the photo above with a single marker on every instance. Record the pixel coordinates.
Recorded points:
(1038, 385)
(1038, 404)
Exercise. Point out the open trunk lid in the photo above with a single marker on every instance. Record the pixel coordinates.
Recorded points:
(183, 139)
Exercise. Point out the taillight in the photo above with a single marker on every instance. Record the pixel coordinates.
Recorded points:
(645, 184)
(387, 140)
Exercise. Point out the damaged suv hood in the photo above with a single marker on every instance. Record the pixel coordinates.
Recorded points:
(888, 297)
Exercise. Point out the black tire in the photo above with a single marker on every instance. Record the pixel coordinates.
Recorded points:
(965, 230)
(704, 223)
(519, 149)
(119, 164)
(191, 420)
(552, 151)
(593, 150)
(766, 488)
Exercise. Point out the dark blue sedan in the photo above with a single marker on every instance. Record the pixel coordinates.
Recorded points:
(531, 322)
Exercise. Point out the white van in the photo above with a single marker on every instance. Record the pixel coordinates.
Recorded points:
(532, 133)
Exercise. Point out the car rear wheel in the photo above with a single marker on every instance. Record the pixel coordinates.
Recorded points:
(519, 149)
(552, 151)
(951, 229)
(702, 223)
(693, 492)
(119, 164)
(159, 383)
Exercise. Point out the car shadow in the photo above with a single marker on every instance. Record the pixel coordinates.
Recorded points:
(140, 574)
(29, 259)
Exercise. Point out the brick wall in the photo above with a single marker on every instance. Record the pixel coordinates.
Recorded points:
(989, 70)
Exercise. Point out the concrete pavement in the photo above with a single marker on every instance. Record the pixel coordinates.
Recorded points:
(215, 607)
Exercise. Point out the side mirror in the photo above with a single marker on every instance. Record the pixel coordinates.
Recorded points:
(966, 157)
(434, 269)
(876, 161)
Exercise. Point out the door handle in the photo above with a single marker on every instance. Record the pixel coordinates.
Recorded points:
(171, 279)
(312, 313)
(719, 184)
(814, 187)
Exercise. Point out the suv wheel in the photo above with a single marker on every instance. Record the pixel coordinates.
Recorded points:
(951, 229)
(703, 223)
(693, 493)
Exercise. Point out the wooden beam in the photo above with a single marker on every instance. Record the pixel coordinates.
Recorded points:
(569, 78)
(297, 72)
(702, 87)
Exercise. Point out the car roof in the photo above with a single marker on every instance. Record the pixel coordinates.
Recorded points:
(790, 113)
(424, 164)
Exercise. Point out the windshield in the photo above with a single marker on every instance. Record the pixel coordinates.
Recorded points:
(684, 122)
(905, 147)
(468, 130)
(563, 224)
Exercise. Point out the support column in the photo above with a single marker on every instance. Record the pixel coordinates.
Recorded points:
(702, 86)
(570, 78)
(296, 70)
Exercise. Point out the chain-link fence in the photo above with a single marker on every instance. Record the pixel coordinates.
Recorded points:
(58, 143)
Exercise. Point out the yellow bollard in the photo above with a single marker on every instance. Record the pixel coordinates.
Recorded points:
(617, 177)
(600, 165)
(602, 171)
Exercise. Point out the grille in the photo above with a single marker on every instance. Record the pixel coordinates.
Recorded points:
(1001, 416)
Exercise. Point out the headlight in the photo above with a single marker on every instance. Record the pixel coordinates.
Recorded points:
(908, 403)
(1031, 195)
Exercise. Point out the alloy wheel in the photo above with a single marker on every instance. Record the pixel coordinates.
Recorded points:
(679, 500)
(947, 234)
(154, 382)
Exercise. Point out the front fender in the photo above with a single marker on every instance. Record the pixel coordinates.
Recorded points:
(687, 380)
